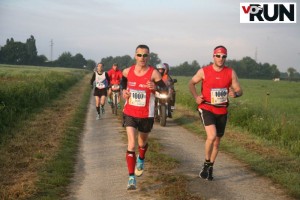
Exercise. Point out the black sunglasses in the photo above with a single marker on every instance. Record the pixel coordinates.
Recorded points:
(221, 56)
(142, 55)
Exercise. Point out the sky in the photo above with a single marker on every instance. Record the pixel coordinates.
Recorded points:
(177, 30)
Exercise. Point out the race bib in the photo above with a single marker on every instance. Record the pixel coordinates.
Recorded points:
(115, 87)
(137, 98)
(218, 96)
(100, 85)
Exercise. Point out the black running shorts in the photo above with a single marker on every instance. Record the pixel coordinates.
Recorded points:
(209, 118)
(100, 92)
(144, 125)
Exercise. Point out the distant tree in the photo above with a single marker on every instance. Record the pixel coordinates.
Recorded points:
(13, 53)
(78, 61)
(19, 53)
(64, 60)
(154, 59)
(107, 62)
(291, 72)
(275, 72)
(31, 51)
(90, 64)
(122, 61)
(251, 66)
(185, 69)
(41, 60)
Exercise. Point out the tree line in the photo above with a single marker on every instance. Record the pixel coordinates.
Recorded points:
(18, 53)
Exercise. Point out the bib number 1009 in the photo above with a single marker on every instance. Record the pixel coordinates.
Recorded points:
(219, 95)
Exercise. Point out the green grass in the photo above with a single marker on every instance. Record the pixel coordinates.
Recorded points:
(56, 176)
(47, 108)
(25, 89)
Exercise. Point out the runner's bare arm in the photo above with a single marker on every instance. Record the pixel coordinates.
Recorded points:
(236, 90)
(199, 76)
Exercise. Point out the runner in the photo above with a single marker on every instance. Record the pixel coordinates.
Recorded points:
(139, 83)
(218, 83)
(101, 80)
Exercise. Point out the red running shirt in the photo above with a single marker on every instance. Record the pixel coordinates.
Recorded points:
(142, 99)
(215, 87)
(115, 76)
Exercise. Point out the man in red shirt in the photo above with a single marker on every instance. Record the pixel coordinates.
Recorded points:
(139, 84)
(115, 76)
(218, 83)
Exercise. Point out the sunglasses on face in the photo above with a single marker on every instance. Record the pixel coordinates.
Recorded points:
(221, 56)
(142, 55)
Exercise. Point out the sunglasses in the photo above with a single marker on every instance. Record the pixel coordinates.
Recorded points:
(221, 56)
(142, 55)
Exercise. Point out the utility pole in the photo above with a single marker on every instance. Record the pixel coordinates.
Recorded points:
(51, 53)
(255, 56)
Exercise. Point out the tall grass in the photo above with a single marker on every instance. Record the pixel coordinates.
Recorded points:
(269, 110)
(23, 89)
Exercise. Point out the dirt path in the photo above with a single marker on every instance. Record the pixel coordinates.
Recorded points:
(101, 172)
(232, 179)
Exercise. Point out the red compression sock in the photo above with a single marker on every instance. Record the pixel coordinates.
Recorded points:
(142, 151)
(131, 159)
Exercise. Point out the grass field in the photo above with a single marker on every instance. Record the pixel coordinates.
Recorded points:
(25, 89)
(41, 118)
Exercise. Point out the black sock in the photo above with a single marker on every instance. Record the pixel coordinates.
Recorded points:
(98, 110)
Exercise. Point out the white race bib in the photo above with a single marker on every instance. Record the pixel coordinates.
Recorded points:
(100, 85)
(218, 95)
(137, 98)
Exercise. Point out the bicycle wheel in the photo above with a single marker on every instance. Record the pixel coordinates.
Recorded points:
(115, 102)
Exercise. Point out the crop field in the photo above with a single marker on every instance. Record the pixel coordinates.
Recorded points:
(24, 89)
(269, 110)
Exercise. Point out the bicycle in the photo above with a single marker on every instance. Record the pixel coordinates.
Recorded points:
(115, 90)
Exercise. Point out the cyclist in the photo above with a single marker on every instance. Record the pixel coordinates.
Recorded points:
(115, 76)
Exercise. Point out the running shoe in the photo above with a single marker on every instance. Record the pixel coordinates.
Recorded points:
(98, 117)
(139, 168)
(131, 183)
(109, 101)
(204, 171)
(210, 174)
(102, 110)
